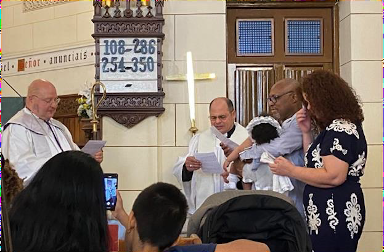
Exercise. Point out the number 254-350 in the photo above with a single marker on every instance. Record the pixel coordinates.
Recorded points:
(141, 64)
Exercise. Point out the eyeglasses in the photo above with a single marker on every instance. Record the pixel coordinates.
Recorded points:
(273, 99)
(49, 101)
(220, 117)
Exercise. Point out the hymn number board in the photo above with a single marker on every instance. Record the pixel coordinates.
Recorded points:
(128, 39)
(129, 64)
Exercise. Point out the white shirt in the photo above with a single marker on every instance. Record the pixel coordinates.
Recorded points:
(203, 184)
(27, 151)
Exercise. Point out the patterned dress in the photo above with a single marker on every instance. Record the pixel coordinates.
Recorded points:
(336, 216)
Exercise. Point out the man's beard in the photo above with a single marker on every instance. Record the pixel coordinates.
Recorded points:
(276, 115)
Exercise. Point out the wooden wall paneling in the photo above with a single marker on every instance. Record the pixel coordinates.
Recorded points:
(66, 113)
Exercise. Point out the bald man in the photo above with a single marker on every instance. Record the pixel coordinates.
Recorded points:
(198, 185)
(32, 137)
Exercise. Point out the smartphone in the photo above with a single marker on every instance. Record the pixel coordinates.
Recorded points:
(110, 184)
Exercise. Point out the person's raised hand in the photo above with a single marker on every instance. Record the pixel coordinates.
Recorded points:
(192, 164)
(99, 156)
(303, 120)
(119, 212)
(119, 208)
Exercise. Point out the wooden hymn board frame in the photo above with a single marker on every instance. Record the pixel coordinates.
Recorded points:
(128, 38)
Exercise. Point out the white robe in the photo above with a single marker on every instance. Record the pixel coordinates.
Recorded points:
(203, 184)
(28, 143)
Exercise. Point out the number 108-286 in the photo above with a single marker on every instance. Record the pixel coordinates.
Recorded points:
(140, 61)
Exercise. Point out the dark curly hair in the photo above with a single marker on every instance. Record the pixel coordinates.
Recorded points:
(264, 133)
(13, 184)
(331, 98)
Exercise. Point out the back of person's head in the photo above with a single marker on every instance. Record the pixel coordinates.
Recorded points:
(63, 207)
(13, 184)
(160, 211)
(263, 129)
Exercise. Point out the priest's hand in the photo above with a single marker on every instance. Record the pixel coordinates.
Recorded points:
(192, 164)
(99, 156)
(226, 149)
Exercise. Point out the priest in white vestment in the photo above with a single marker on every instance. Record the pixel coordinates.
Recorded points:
(197, 185)
(32, 136)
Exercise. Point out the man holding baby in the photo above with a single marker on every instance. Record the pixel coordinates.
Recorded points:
(284, 100)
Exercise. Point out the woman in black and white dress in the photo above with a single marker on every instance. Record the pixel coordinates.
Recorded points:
(333, 198)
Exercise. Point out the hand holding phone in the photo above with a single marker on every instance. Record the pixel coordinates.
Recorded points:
(110, 184)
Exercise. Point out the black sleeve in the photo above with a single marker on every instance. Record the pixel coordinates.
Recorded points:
(186, 175)
(340, 145)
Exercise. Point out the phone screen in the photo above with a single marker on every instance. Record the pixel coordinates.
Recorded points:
(110, 184)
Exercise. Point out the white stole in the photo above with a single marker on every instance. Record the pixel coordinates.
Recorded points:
(204, 184)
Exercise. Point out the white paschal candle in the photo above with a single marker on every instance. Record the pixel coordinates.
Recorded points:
(191, 88)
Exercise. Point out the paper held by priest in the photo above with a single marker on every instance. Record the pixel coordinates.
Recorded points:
(228, 142)
(209, 163)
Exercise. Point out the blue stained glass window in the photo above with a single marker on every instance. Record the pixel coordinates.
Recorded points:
(255, 37)
(304, 36)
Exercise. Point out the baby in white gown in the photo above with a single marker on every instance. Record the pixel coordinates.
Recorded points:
(262, 130)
